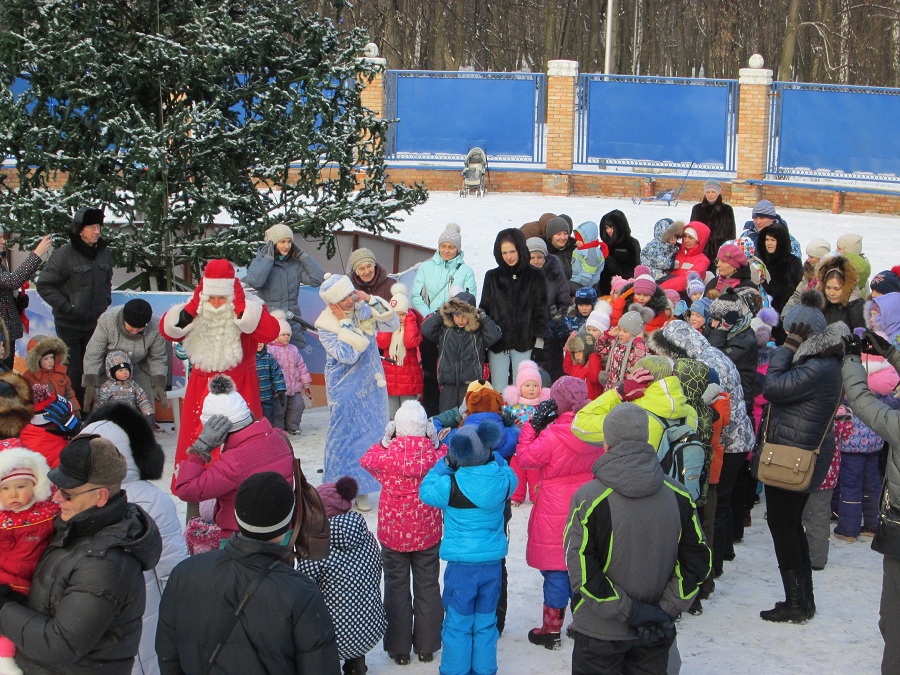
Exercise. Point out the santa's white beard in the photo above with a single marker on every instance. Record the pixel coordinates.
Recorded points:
(214, 343)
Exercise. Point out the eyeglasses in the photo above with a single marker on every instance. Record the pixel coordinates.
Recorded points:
(69, 496)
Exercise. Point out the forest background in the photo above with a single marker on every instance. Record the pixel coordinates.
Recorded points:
(854, 42)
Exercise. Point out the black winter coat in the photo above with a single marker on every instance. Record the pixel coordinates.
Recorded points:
(558, 297)
(516, 298)
(719, 216)
(284, 628)
(461, 351)
(624, 250)
(86, 606)
(743, 351)
(785, 269)
(803, 391)
(77, 283)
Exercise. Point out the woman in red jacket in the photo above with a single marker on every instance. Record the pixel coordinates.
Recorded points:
(400, 352)
(690, 257)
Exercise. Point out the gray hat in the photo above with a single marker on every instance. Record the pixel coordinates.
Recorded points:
(625, 422)
(359, 257)
(850, 243)
(536, 245)
(712, 185)
(818, 248)
(89, 459)
(556, 225)
(764, 208)
(451, 235)
(809, 311)
(635, 319)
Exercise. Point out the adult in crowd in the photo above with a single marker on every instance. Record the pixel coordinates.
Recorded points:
(77, 284)
(11, 304)
(885, 421)
(763, 215)
(248, 445)
(689, 258)
(431, 288)
(556, 231)
(816, 249)
(219, 329)
(514, 295)
(635, 554)
(558, 301)
(803, 388)
(785, 269)
(837, 280)
(716, 214)
(86, 605)
(277, 272)
(368, 275)
(246, 600)
(129, 431)
(850, 246)
(677, 340)
(624, 250)
(354, 379)
(733, 269)
(133, 329)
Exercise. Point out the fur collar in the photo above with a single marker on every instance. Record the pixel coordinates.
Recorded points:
(43, 344)
(848, 271)
(830, 340)
(658, 302)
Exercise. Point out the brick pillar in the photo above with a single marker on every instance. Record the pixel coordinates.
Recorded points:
(754, 107)
(561, 80)
(372, 95)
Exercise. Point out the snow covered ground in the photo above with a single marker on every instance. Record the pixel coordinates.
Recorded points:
(729, 637)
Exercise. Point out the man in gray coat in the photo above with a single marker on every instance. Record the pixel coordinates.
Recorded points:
(635, 554)
(84, 612)
(77, 284)
(884, 421)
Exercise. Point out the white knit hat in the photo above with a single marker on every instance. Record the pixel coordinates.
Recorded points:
(335, 288)
(399, 298)
(598, 320)
(411, 419)
(223, 399)
(278, 232)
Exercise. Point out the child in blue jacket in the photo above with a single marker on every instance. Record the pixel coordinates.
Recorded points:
(471, 486)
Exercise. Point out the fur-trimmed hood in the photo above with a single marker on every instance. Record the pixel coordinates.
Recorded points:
(455, 305)
(41, 345)
(15, 411)
(658, 302)
(515, 235)
(129, 431)
(847, 270)
(829, 341)
(15, 458)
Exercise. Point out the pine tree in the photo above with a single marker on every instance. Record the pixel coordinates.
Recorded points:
(177, 115)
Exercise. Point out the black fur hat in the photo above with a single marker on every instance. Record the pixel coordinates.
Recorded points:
(147, 454)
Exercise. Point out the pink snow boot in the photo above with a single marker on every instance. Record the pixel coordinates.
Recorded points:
(548, 635)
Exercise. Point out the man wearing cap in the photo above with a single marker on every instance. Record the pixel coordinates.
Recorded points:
(85, 608)
(133, 329)
(284, 626)
(77, 284)
(718, 215)
(219, 329)
(764, 215)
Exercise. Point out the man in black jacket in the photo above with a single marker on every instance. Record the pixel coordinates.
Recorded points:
(85, 609)
(284, 627)
(77, 284)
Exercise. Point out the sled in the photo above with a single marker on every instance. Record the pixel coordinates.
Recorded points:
(669, 197)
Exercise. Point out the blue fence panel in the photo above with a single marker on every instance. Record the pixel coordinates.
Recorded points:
(835, 131)
(657, 121)
(440, 115)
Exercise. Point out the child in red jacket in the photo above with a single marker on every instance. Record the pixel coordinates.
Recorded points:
(45, 363)
(400, 352)
(409, 532)
(26, 526)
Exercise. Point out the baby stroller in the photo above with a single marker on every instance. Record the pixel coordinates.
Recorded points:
(474, 173)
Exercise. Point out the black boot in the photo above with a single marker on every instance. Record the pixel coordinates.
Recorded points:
(355, 666)
(810, 600)
(793, 609)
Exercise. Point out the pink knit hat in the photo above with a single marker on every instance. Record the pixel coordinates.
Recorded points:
(617, 284)
(338, 497)
(570, 394)
(644, 285)
(733, 255)
(528, 372)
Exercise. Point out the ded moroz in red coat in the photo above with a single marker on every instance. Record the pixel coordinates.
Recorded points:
(403, 379)
(564, 462)
(405, 524)
(256, 325)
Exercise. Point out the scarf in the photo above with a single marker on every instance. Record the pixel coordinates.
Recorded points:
(397, 348)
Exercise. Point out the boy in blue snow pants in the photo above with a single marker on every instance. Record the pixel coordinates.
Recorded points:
(471, 486)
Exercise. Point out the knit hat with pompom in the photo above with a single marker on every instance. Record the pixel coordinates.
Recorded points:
(338, 497)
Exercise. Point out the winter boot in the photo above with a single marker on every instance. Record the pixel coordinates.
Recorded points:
(548, 634)
(400, 659)
(810, 600)
(696, 607)
(793, 609)
(355, 666)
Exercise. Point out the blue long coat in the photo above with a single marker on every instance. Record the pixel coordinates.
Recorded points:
(355, 386)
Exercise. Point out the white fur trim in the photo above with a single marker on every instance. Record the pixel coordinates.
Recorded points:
(387, 312)
(354, 339)
(13, 458)
(170, 318)
(224, 287)
(249, 321)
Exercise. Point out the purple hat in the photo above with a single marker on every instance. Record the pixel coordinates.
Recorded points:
(644, 285)
(570, 394)
(338, 497)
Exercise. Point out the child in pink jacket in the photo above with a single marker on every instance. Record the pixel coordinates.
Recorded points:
(520, 401)
(297, 381)
(409, 532)
(548, 446)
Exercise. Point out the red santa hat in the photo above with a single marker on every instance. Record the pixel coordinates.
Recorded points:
(219, 279)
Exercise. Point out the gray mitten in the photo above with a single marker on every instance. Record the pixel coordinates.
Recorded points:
(432, 434)
(212, 435)
(389, 430)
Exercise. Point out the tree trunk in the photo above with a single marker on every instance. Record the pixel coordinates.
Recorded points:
(785, 73)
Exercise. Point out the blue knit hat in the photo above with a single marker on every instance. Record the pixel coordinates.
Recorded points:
(809, 311)
(701, 307)
(472, 444)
